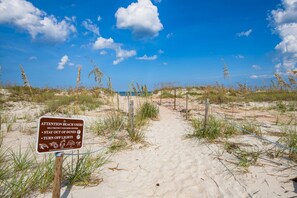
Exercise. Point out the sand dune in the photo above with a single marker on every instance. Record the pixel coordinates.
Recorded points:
(173, 166)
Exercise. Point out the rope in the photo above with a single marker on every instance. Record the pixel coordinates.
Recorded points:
(257, 136)
(102, 148)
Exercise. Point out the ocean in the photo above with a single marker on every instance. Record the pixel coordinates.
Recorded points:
(124, 93)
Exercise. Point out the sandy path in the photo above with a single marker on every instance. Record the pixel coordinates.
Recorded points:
(170, 167)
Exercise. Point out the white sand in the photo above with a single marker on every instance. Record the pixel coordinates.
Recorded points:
(172, 166)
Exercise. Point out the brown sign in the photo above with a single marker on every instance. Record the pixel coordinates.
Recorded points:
(59, 134)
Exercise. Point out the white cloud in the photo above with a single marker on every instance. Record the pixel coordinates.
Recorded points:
(160, 51)
(62, 62)
(157, 1)
(165, 63)
(103, 52)
(147, 58)
(32, 58)
(239, 56)
(89, 25)
(261, 76)
(284, 21)
(244, 33)
(141, 17)
(71, 64)
(37, 23)
(103, 43)
(256, 67)
(169, 35)
(121, 54)
(99, 18)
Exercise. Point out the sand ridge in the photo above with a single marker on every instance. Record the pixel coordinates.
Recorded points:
(171, 166)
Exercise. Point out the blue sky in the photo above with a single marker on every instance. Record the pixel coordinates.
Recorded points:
(149, 42)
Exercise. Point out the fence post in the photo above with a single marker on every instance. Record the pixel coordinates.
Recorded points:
(206, 113)
(160, 97)
(174, 99)
(131, 113)
(187, 98)
(118, 101)
(128, 96)
(58, 175)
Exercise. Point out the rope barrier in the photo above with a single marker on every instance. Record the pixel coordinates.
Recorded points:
(257, 136)
(102, 148)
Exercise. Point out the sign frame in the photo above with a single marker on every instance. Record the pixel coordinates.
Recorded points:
(59, 150)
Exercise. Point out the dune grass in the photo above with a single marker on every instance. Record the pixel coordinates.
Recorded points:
(84, 167)
(214, 129)
(109, 124)
(144, 113)
(21, 174)
(290, 138)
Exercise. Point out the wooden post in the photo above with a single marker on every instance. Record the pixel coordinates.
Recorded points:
(206, 113)
(131, 112)
(161, 98)
(174, 99)
(187, 98)
(128, 95)
(118, 101)
(58, 175)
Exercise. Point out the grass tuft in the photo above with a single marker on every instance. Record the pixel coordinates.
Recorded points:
(85, 166)
(215, 128)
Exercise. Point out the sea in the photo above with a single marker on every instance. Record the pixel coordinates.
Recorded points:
(124, 93)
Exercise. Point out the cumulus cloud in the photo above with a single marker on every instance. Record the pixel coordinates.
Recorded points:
(284, 21)
(37, 23)
(89, 25)
(169, 35)
(256, 67)
(239, 56)
(121, 54)
(244, 33)
(160, 51)
(147, 58)
(62, 62)
(141, 17)
(32, 58)
(99, 18)
(103, 52)
(261, 76)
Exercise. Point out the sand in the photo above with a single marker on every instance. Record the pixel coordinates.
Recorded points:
(174, 166)
(168, 164)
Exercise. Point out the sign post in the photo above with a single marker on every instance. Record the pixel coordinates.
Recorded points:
(58, 175)
(57, 135)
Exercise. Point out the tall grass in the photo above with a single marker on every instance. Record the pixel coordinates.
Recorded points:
(290, 138)
(252, 127)
(109, 124)
(144, 112)
(214, 129)
(85, 166)
(21, 160)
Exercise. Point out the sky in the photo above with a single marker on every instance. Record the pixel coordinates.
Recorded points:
(147, 41)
